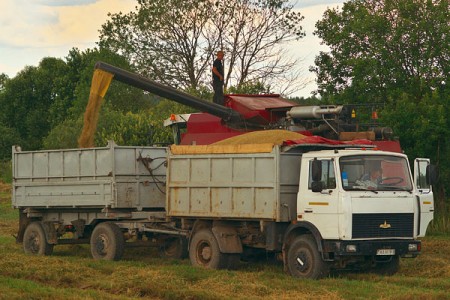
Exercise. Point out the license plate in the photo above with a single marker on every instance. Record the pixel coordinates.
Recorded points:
(386, 252)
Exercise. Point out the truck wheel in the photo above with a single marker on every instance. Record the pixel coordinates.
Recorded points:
(34, 240)
(107, 242)
(174, 247)
(233, 260)
(388, 268)
(304, 259)
(204, 251)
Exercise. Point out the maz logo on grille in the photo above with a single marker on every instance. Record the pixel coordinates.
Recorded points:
(385, 225)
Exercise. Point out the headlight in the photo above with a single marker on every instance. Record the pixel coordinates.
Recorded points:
(351, 248)
(412, 247)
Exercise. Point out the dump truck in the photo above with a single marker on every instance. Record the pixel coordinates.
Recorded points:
(305, 202)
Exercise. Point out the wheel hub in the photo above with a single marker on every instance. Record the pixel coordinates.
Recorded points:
(34, 243)
(101, 244)
(204, 252)
(303, 263)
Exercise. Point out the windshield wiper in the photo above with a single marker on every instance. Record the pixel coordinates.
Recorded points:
(395, 188)
(362, 189)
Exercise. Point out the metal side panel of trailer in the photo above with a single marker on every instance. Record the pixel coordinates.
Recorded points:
(240, 186)
(112, 176)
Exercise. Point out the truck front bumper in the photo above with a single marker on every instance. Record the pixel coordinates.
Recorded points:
(404, 248)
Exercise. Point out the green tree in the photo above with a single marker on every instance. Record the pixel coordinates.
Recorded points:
(424, 130)
(396, 53)
(64, 135)
(382, 47)
(26, 99)
(122, 97)
(3, 79)
(53, 96)
(9, 137)
(142, 128)
(174, 41)
(250, 87)
(131, 129)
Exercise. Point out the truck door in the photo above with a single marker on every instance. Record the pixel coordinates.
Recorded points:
(425, 194)
(320, 206)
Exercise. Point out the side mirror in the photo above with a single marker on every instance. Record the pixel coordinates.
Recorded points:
(432, 174)
(316, 170)
(316, 186)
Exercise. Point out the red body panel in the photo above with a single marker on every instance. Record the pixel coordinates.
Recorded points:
(204, 128)
(393, 146)
(265, 109)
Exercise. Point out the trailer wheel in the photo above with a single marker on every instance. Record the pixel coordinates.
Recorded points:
(388, 268)
(304, 259)
(204, 251)
(107, 242)
(174, 247)
(34, 240)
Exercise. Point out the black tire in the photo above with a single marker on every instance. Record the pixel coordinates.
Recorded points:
(34, 240)
(107, 242)
(174, 247)
(388, 268)
(204, 251)
(232, 260)
(304, 259)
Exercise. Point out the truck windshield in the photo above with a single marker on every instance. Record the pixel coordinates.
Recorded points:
(375, 172)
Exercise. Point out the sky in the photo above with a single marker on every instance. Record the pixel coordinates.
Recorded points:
(34, 29)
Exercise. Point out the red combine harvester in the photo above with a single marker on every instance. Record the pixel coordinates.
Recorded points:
(246, 113)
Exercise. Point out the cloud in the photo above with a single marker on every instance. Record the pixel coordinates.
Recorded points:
(310, 46)
(32, 30)
(19, 21)
(309, 3)
(81, 23)
(64, 3)
(43, 24)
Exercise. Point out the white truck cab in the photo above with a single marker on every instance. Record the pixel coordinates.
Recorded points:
(365, 205)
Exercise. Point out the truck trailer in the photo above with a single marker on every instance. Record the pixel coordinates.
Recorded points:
(309, 203)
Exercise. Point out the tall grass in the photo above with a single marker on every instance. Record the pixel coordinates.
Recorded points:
(70, 273)
(7, 213)
(440, 225)
(6, 171)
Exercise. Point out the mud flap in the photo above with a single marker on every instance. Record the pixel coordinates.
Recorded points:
(227, 238)
(50, 232)
(23, 223)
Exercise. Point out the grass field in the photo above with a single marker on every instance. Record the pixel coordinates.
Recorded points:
(70, 273)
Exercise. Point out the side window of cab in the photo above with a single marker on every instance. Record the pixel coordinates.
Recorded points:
(327, 174)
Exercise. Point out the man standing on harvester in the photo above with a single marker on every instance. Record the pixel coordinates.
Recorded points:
(217, 74)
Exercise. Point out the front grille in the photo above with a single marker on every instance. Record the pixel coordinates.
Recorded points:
(382, 225)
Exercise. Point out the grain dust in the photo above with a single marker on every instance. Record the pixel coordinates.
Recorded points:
(100, 83)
